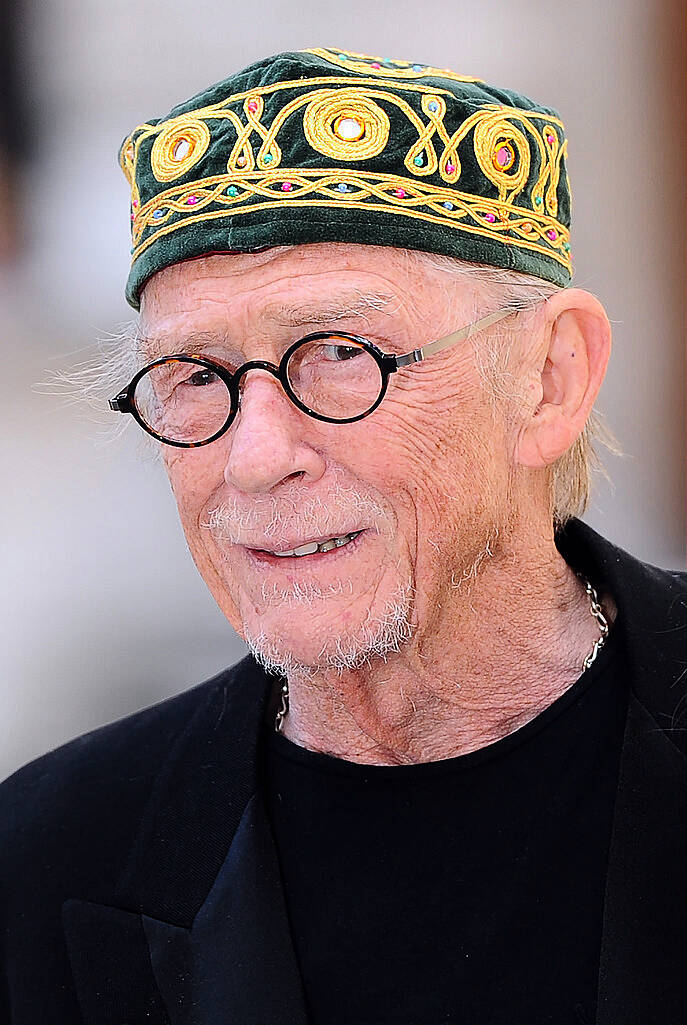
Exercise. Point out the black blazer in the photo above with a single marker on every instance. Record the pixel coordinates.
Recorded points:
(139, 873)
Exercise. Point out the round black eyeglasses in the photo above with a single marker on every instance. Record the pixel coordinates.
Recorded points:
(188, 400)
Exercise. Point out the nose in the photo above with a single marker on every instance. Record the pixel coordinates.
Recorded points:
(267, 443)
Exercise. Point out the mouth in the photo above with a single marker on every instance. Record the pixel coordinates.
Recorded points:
(314, 553)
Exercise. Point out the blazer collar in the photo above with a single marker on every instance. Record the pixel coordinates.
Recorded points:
(652, 618)
(199, 934)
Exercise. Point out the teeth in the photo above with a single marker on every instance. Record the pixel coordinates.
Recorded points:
(306, 549)
(323, 546)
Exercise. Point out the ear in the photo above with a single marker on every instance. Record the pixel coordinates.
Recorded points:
(577, 345)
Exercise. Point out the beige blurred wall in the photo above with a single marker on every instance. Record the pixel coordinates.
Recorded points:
(102, 609)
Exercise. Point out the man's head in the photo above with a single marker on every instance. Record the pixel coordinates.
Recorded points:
(326, 191)
(443, 474)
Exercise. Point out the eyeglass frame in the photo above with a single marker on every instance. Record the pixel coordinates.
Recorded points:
(387, 362)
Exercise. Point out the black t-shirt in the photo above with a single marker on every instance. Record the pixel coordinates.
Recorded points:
(466, 891)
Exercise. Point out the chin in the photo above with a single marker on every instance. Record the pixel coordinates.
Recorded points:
(278, 644)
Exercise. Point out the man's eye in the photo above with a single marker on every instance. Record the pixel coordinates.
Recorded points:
(201, 377)
(339, 353)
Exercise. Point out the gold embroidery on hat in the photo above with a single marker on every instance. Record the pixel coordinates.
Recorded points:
(127, 160)
(392, 194)
(269, 154)
(492, 132)
(251, 185)
(385, 67)
(421, 158)
(555, 153)
(326, 116)
(180, 144)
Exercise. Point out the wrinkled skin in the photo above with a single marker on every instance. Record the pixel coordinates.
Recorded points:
(453, 496)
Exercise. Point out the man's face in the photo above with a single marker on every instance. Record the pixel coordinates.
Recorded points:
(425, 477)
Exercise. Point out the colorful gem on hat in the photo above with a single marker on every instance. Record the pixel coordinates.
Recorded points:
(241, 161)
(401, 193)
(349, 128)
(157, 214)
(504, 158)
(346, 125)
(232, 191)
(552, 234)
(191, 200)
(286, 186)
(418, 161)
(341, 187)
(447, 205)
(181, 149)
(490, 217)
(267, 159)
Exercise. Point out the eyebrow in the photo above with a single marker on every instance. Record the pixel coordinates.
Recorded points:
(166, 345)
(335, 308)
(345, 306)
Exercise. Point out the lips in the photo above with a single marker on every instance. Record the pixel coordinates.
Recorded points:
(316, 558)
(300, 549)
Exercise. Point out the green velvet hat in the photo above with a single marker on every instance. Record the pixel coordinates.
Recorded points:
(331, 146)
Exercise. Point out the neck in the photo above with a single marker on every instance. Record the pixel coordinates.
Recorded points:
(511, 642)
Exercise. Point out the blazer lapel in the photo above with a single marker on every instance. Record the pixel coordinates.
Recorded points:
(197, 933)
(643, 964)
(236, 963)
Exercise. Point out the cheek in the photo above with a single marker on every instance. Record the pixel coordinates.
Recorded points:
(195, 477)
(437, 427)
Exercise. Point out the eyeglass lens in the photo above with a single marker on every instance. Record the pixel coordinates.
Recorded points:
(189, 403)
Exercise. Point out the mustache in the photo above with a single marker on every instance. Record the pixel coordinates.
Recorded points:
(278, 518)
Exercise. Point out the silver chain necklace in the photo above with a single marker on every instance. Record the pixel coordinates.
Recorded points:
(595, 610)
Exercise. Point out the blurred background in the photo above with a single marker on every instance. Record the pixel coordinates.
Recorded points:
(102, 610)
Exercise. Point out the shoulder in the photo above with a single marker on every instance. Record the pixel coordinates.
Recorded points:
(651, 605)
(81, 803)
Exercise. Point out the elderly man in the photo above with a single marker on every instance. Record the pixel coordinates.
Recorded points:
(447, 784)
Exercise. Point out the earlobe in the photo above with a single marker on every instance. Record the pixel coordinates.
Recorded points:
(578, 344)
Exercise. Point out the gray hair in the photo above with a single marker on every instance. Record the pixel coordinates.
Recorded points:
(569, 477)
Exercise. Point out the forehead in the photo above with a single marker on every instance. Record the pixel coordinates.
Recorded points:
(305, 274)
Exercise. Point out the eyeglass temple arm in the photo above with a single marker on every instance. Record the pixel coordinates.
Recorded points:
(417, 355)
